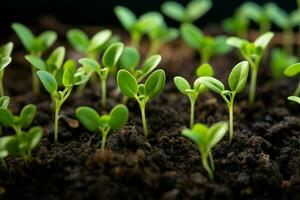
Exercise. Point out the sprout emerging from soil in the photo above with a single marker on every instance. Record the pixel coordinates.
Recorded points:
(93, 122)
(71, 77)
(280, 59)
(206, 138)
(253, 53)
(35, 46)
(194, 10)
(291, 71)
(206, 46)
(109, 60)
(5, 60)
(153, 86)
(237, 80)
(185, 88)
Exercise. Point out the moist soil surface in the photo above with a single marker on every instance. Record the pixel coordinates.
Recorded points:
(261, 162)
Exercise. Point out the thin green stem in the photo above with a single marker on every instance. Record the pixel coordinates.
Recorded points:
(204, 56)
(104, 136)
(154, 47)
(1, 83)
(206, 166)
(211, 161)
(56, 118)
(18, 130)
(143, 106)
(288, 41)
(35, 81)
(297, 91)
(135, 39)
(103, 92)
(253, 85)
(192, 111)
(230, 108)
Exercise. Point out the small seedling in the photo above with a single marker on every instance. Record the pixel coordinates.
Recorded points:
(206, 46)
(237, 80)
(291, 71)
(280, 59)
(141, 92)
(206, 138)
(35, 46)
(5, 59)
(71, 77)
(109, 61)
(194, 10)
(253, 53)
(18, 122)
(185, 88)
(93, 122)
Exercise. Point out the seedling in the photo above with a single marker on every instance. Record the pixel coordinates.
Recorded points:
(194, 10)
(153, 86)
(109, 60)
(137, 27)
(280, 59)
(5, 59)
(253, 53)
(206, 46)
(206, 138)
(291, 71)
(35, 46)
(237, 80)
(185, 88)
(71, 77)
(89, 47)
(93, 122)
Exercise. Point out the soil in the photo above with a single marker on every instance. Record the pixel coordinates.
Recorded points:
(262, 161)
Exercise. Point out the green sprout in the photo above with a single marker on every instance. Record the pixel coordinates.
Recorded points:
(71, 77)
(89, 47)
(194, 10)
(207, 46)
(141, 92)
(291, 71)
(93, 122)
(5, 59)
(253, 53)
(237, 80)
(109, 61)
(35, 46)
(17, 122)
(280, 59)
(206, 138)
(185, 88)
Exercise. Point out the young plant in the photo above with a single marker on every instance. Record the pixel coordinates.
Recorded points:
(253, 53)
(17, 122)
(206, 46)
(89, 47)
(237, 80)
(71, 77)
(5, 59)
(35, 46)
(280, 59)
(206, 138)
(194, 10)
(93, 122)
(291, 71)
(109, 61)
(153, 86)
(185, 88)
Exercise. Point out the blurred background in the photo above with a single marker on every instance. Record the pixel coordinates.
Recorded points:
(100, 12)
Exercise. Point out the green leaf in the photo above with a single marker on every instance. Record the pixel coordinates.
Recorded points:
(220, 45)
(264, 40)
(174, 10)
(235, 42)
(118, 117)
(48, 81)
(205, 70)
(26, 116)
(127, 83)
(292, 70)
(4, 62)
(4, 102)
(36, 62)
(69, 73)
(149, 65)
(155, 83)
(6, 117)
(182, 84)
(78, 40)
(238, 76)
(196, 134)
(25, 35)
(215, 133)
(91, 64)
(197, 8)
(34, 136)
(294, 98)
(129, 59)
(6, 49)
(112, 54)
(3, 146)
(99, 39)
(149, 21)
(192, 35)
(88, 117)
(126, 17)
(56, 58)
(212, 83)
(48, 37)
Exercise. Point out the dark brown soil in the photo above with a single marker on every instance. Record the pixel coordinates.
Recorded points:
(262, 162)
